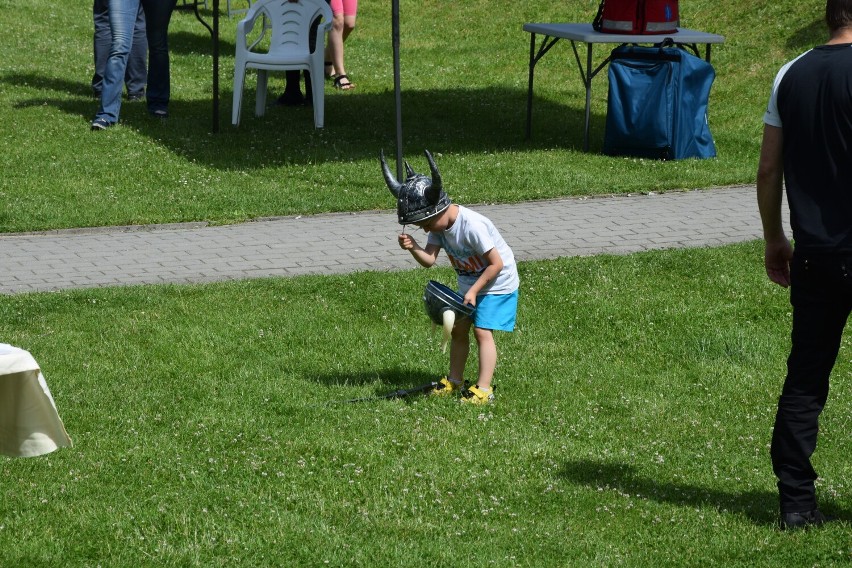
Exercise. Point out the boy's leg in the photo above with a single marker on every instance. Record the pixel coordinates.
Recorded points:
(487, 356)
(459, 350)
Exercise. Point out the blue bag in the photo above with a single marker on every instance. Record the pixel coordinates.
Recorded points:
(657, 104)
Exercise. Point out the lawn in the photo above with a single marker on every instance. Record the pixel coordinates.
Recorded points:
(635, 400)
(464, 77)
(635, 405)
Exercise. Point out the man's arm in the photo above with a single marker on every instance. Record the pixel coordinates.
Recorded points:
(770, 191)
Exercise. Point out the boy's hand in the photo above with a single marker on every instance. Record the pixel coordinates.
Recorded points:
(470, 298)
(406, 242)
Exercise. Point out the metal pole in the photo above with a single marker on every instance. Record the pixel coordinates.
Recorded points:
(396, 86)
(215, 66)
(214, 34)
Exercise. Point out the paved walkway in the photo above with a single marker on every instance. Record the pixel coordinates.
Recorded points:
(338, 243)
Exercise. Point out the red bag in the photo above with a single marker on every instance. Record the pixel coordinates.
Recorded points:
(637, 17)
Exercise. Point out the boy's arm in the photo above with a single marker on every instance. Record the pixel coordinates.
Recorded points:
(495, 265)
(426, 257)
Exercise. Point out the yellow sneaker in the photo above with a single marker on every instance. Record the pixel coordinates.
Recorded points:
(476, 395)
(446, 387)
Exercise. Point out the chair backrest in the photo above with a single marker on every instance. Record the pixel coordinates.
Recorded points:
(290, 22)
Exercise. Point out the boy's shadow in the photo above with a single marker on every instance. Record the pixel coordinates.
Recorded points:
(384, 382)
(760, 506)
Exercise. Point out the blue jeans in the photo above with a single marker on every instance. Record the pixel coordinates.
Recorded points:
(136, 75)
(821, 295)
(122, 17)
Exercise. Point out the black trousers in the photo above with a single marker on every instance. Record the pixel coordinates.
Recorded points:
(821, 295)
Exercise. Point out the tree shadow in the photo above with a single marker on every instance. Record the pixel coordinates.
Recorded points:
(357, 125)
(187, 43)
(761, 507)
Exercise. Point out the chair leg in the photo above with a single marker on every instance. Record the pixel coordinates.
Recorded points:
(260, 104)
(318, 88)
(239, 80)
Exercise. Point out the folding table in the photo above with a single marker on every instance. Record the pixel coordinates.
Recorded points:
(584, 33)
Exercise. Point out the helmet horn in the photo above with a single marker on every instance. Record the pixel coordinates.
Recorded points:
(393, 185)
(436, 175)
(409, 171)
(433, 192)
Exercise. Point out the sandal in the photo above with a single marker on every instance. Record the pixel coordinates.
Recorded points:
(339, 84)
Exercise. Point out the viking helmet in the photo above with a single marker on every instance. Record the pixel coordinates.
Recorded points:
(420, 197)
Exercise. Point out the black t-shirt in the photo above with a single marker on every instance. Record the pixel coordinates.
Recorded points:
(814, 100)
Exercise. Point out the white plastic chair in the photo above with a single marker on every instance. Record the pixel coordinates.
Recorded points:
(285, 27)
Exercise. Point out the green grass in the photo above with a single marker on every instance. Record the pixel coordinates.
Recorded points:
(464, 75)
(635, 406)
(635, 399)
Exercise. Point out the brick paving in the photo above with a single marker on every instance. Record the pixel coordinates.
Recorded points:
(346, 242)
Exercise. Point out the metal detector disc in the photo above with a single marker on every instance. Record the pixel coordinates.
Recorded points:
(438, 298)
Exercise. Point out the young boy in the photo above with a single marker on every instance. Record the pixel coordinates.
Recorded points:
(484, 263)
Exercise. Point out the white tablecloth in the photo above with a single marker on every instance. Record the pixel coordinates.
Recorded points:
(29, 423)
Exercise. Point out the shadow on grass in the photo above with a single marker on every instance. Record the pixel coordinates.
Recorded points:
(357, 125)
(807, 37)
(186, 43)
(387, 383)
(761, 507)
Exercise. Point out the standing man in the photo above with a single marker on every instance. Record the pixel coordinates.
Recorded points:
(807, 139)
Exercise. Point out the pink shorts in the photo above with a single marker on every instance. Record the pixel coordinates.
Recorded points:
(345, 7)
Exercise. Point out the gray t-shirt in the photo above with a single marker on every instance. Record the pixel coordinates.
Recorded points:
(466, 242)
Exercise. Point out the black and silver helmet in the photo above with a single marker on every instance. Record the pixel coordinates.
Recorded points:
(420, 197)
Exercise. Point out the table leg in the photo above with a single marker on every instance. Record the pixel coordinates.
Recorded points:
(546, 43)
(530, 87)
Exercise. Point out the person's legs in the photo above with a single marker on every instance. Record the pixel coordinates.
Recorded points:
(342, 25)
(136, 75)
(102, 39)
(122, 15)
(348, 25)
(334, 48)
(337, 19)
(158, 13)
(487, 356)
(821, 295)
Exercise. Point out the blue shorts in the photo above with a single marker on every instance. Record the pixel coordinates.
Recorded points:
(496, 311)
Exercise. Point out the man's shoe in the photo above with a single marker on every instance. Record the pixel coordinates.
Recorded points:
(446, 387)
(475, 395)
(101, 124)
(160, 113)
(291, 98)
(803, 520)
(132, 98)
